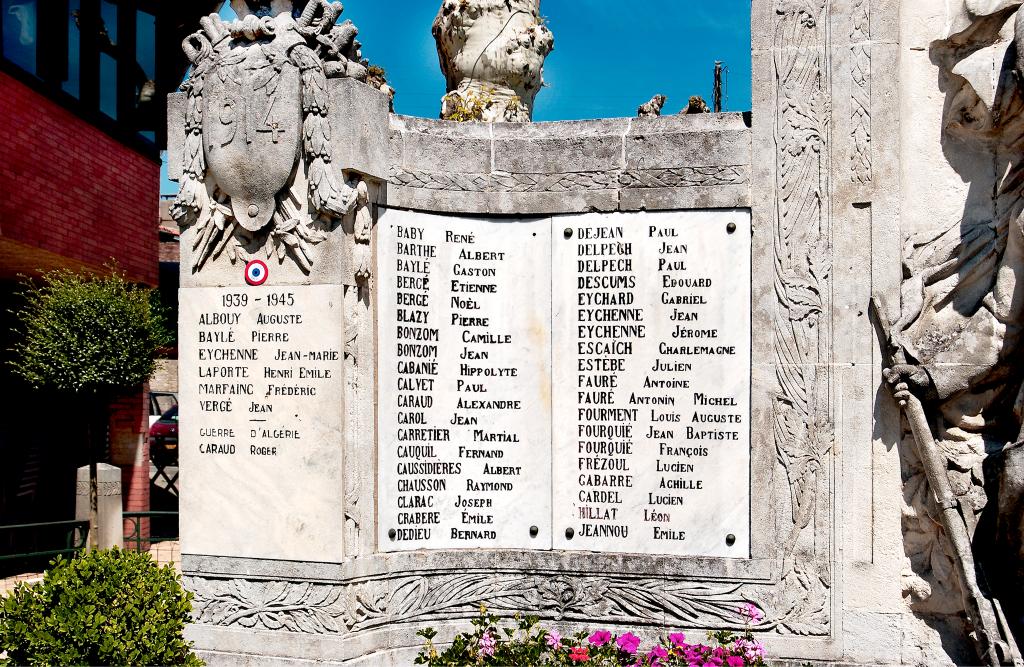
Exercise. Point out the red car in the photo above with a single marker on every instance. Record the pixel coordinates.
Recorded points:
(163, 439)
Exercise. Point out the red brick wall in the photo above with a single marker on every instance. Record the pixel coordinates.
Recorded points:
(71, 189)
(129, 450)
(72, 195)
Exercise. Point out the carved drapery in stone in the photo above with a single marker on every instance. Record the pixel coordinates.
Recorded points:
(960, 313)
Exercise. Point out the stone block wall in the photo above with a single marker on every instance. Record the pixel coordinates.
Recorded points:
(618, 164)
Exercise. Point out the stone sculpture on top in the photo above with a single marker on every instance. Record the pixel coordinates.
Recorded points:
(492, 55)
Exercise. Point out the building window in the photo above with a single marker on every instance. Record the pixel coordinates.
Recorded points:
(106, 38)
(145, 80)
(20, 34)
(70, 81)
(102, 54)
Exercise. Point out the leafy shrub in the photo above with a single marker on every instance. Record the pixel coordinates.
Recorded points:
(111, 607)
(87, 334)
(527, 644)
(468, 106)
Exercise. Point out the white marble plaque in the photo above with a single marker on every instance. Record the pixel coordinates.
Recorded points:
(651, 337)
(261, 422)
(464, 407)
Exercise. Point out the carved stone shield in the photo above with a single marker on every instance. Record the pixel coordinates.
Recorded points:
(252, 128)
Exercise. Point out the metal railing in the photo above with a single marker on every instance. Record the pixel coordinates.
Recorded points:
(75, 534)
(159, 529)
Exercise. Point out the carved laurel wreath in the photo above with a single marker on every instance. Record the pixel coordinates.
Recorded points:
(225, 50)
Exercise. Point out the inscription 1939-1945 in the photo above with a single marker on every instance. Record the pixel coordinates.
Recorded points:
(261, 406)
(576, 383)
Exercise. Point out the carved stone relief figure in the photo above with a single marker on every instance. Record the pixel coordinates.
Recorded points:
(652, 108)
(258, 178)
(492, 54)
(961, 315)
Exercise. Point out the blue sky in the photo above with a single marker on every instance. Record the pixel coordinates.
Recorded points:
(609, 57)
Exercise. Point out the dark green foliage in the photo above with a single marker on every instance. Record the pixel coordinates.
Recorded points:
(111, 607)
(87, 334)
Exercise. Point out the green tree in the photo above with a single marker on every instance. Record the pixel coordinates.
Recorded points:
(93, 338)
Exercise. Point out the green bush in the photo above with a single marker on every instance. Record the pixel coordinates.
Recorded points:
(87, 334)
(111, 607)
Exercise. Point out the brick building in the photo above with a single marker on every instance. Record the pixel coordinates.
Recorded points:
(83, 85)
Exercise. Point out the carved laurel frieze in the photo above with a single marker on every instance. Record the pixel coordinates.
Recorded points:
(678, 177)
(362, 605)
(860, 96)
(803, 424)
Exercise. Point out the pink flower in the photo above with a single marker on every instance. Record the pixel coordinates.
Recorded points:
(487, 644)
(628, 643)
(735, 661)
(600, 638)
(752, 650)
(751, 613)
(554, 639)
(678, 639)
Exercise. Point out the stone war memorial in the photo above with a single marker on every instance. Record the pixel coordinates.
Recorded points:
(631, 373)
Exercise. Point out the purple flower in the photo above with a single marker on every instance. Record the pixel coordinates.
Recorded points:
(554, 639)
(657, 654)
(600, 638)
(628, 643)
(487, 644)
(678, 639)
(735, 661)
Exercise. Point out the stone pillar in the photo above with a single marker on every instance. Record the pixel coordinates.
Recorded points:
(109, 524)
(275, 326)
